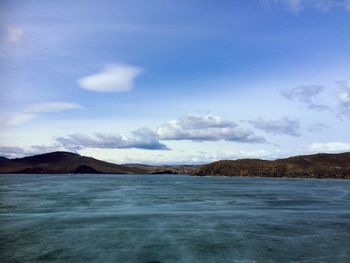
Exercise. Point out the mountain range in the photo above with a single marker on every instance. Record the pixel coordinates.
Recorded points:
(305, 166)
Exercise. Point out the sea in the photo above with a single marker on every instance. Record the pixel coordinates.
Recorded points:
(172, 218)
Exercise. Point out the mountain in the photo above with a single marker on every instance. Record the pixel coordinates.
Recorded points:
(63, 162)
(305, 166)
(66, 162)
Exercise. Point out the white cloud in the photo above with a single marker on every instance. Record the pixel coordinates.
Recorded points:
(76, 142)
(14, 34)
(198, 157)
(12, 151)
(206, 128)
(331, 147)
(203, 121)
(191, 127)
(32, 111)
(153, 157)
(52, 106)
(17, 152)
(285, 126)
(114, 78)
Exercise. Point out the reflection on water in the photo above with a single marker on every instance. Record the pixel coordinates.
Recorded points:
(172, 218)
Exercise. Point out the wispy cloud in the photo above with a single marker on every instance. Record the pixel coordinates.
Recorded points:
(14, 34)
(11, 40)
(308, 95)
(284, 126)
(52, 106)
(32, 111)
(305, 94)
(318, 127)
(328, 147)
(114, 78)
(298, 5)
(293, 5)
(19, 118)
(347, 5)
(344, 98)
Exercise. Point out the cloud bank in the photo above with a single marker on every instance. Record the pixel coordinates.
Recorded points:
(114, 78)
(190, 127)
(206, 128)
(75, 142)
(331, 147)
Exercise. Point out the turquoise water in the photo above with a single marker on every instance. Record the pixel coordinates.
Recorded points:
(172, 218)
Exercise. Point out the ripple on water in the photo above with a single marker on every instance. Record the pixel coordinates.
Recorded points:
(173, 218)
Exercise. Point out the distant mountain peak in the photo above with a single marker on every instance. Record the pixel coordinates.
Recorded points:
(50, 157)
(63, 162)
(64, 153)
(50, 154)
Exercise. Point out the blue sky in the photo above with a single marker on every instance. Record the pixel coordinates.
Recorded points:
(175, 81)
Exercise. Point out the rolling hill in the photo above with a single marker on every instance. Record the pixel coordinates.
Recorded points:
(63, 162)
(66, 162)
(306, 166)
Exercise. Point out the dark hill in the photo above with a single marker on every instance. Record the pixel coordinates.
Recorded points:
(62, 162)
(306, 166)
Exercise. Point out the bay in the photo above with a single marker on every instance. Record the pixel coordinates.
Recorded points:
(172, 218)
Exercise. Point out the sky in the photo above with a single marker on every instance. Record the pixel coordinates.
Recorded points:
(170, 82)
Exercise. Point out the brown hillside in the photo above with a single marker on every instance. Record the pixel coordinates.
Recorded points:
(306, 166)
(63, 162)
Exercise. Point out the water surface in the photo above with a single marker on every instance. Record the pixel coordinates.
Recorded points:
(172, 218)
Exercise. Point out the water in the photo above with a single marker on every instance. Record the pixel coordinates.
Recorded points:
(172, 218)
